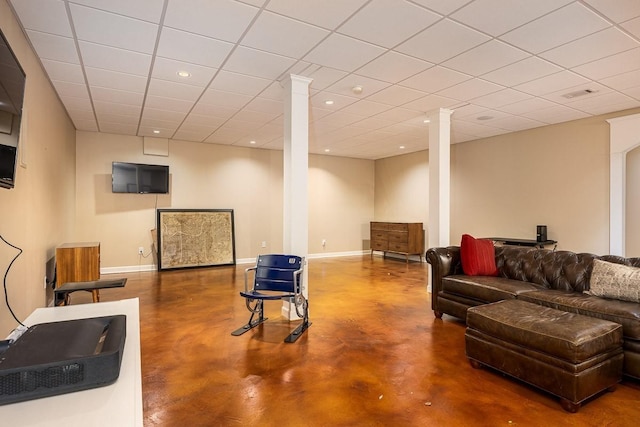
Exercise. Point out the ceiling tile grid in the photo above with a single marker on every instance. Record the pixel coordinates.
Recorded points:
(214, 71)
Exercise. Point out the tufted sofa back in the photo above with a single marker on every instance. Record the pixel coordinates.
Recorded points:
(561, 270)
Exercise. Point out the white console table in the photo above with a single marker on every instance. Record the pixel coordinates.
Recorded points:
(118, 404)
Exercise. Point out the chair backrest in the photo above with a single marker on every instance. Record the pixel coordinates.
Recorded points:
(276, 273)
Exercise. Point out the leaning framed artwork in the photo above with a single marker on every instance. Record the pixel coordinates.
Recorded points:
(189, 238)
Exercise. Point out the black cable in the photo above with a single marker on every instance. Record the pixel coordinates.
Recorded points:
(4, 282)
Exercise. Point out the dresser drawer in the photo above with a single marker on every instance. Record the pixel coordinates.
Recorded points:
(398, 237)
(398, 226)
(398, 247)
(379, 245)
(380, 226)
(379, 235)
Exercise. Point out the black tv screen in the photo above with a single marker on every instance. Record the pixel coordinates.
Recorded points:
(139, 178)
(7, 165)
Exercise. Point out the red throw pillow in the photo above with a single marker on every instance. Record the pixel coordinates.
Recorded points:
(478, 256)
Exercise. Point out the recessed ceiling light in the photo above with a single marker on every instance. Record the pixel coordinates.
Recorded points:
(328, 102)
(326, 150)
(402, 147)
(156, 131)
(184, 74)
(426, 121)
(357, 90)
(252, 142)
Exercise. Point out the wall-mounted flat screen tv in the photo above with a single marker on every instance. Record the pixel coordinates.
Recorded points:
(139, 178)
(12, 81)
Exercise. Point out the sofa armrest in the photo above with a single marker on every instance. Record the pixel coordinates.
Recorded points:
(444, 262)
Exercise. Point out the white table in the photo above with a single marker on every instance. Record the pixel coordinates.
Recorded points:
(118, 404)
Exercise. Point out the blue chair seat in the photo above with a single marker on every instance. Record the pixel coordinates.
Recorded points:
(275, 277)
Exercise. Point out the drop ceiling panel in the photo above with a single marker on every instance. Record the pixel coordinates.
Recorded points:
(174, 90)
(487, 57)
(284, 36)
(50, 46)
(147, 10)
(344, 53)
(396, 95)
(443, 7)
(192, 48)
(63, 71)
(220, 19)
(369, 86)
(559, 27)
(610, 66)
(442, 41)
(114, 59)
(555, 114)
(393, 67)
(115, 80)
(167, 69)
(522, 71)
(325, 13)
(117, 96)
(500, 98)
(633, 27)
(496, 17)
(435, 79)
(590, 48)
(552, 83)
(470, 89)
(47, 16)
(97, 26)
(623, 81)
(239, 83)
(618, 11)
(388, 22)
(257, 63)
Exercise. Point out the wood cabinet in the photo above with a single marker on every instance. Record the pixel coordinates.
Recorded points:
(398, 237)
(77, 262)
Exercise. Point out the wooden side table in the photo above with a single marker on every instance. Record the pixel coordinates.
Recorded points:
(78, 262)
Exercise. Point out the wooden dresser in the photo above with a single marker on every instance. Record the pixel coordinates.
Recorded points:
(78, 262)
(405, 238)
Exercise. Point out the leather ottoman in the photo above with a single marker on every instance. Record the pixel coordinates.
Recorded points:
(569, 355)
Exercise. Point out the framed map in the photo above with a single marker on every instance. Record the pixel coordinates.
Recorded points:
(195, 238)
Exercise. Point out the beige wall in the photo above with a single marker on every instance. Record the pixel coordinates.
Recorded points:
(207, 176)
(506, 185)
(38, 213)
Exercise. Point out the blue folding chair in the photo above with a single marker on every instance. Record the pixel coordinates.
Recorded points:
(275, 277)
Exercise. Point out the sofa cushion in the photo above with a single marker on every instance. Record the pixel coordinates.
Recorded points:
(486, 288)
(477, 256)
(615, 281)
(623, 312)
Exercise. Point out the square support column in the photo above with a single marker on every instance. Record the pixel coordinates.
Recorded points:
(439, 177)
(296, 176)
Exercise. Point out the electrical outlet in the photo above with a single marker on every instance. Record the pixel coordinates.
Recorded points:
(264, 244)
(324, 242)
(140, 250)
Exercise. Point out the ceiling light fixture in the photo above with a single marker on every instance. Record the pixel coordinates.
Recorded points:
(252, 142)
(328, 102)
(402, 147)
(357, 90)
(184, 74)
(484, 118)
(326, 150)
(156, 132)
(426, 121)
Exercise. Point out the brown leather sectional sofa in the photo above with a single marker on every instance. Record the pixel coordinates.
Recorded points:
(553, 279)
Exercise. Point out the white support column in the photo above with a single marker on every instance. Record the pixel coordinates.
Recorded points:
(296, 171)
(624, 136)
(439, 176)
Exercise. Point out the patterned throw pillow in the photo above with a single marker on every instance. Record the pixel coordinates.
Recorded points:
(617, 281)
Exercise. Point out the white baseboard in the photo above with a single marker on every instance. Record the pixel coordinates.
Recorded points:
(153, 267)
